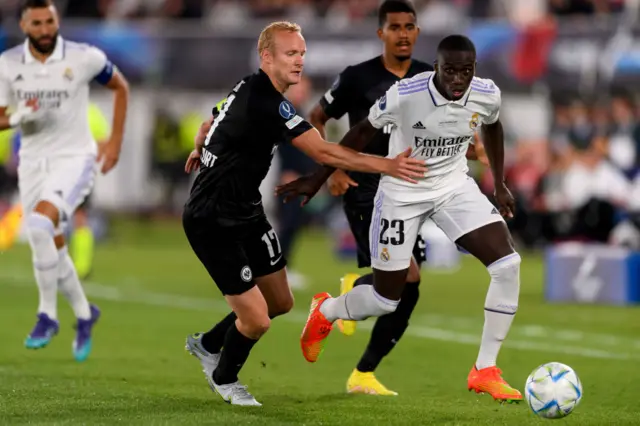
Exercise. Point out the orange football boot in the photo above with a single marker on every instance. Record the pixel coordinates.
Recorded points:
(489, 380)
(315, 330)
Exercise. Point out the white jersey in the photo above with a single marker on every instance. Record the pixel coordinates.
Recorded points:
(61, 85)
(436, 129)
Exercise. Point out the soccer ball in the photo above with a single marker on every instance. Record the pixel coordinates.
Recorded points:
(553, 390)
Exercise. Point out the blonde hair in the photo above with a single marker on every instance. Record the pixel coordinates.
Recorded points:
(265, 41)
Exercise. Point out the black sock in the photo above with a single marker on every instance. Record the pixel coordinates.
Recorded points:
(236, 351)
(213, 339)
(389, 329)
(365, 279)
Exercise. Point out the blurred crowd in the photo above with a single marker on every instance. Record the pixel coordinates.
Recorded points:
(583, 182)
(234, 12)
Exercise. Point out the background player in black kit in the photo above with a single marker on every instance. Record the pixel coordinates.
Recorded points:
(353, 93)
(224, 219)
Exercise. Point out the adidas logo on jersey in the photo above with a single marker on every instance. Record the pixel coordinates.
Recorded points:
(419, 125)
(495, 211)
(19, 78)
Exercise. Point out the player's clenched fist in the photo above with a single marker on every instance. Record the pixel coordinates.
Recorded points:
(406, 168)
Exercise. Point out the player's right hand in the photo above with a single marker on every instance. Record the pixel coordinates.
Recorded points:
(193, 162)
(339, 182)
(306, 185)
(406, 168)
(26, 112)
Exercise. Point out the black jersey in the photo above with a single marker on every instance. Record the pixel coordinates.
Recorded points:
(354, 92)
(238, 150)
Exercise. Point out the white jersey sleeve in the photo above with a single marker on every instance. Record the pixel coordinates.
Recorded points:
(98, 66)
(489, 97)
(386, 110)
(5, 85)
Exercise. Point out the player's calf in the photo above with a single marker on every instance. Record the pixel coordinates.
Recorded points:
(40, 232)
(359, 304)
(500, 307)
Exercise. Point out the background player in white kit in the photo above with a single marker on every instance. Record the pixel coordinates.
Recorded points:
(46, 82)
(436, 114)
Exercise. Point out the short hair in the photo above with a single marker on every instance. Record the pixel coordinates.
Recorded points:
(394, 6)
(456, 43)
(35, 4)
(265, 41)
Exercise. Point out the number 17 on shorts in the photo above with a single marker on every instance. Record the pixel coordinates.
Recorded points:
(393, 233)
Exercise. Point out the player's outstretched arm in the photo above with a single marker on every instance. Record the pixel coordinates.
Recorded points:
(344, 157)
(109, 152)
(493, 136)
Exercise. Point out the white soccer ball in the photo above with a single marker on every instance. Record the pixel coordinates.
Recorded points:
(553, 390)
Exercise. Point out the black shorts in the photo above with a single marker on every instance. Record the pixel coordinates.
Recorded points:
(359, 221)
(234, 256)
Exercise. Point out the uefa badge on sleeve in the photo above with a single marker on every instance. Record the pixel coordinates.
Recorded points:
(382, 103)
(287, 111)
(246, 274)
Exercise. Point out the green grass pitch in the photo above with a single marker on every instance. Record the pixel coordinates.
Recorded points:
(153, 292)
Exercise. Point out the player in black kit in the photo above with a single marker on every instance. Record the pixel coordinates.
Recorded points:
(224, 219)
(353, 93)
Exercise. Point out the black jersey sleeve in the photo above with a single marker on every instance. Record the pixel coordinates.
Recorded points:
(278, 116)
(337, 100)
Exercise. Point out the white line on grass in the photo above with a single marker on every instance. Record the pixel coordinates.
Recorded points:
(136, 295)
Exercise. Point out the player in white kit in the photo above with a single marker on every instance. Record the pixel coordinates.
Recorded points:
(45, 82)
(436, 115)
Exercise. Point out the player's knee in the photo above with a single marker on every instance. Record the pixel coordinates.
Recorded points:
(504, 289)
(281, 307)
(39, 227)
(413, 276)
(48, 209)
(384, 306)
(508, 267)
(256, 327)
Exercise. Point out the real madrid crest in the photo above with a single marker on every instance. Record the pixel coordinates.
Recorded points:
(385, 256)
(475, 118)
(68, 74)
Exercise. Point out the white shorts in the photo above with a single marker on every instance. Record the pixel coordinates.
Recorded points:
(395, 226)
(64, 182)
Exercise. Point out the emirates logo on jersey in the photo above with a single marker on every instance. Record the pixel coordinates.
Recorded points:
(440, 146)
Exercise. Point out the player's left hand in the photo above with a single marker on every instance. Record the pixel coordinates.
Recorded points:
(306, 185)
(108, 154)
(477, 152)
(193, 162)
(506, 202)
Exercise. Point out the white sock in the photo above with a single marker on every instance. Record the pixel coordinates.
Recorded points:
(70, 285)
(40, 231)
(358, 304)
(499, 307)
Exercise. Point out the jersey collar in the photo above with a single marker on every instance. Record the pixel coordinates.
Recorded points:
(56, 55)
(439, 100)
